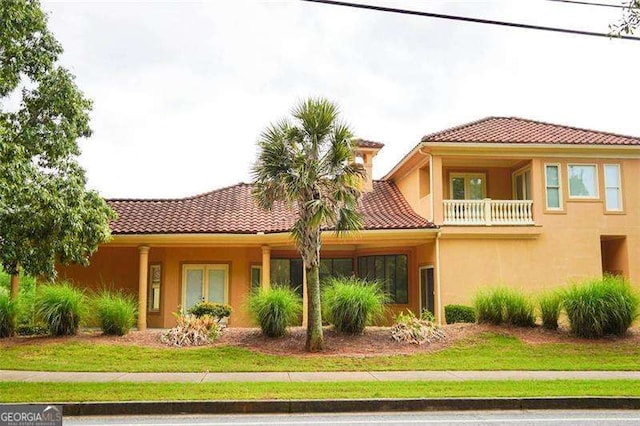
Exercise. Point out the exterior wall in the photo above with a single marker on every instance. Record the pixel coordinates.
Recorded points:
(498, 183)
(415, 188)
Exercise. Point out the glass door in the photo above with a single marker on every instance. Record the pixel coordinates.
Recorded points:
(522, 185)
(204, 283)
(468, 186)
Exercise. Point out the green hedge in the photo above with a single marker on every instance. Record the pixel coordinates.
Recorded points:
(459, 313)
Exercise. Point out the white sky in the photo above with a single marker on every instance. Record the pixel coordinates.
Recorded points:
(182, 90)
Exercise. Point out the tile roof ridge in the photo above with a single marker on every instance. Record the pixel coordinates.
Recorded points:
(191, 197)
(564, 126)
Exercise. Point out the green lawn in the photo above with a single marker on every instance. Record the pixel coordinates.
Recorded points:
(488, 351)
(64, 392)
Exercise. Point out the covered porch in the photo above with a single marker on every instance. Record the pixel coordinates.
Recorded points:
(169, 273)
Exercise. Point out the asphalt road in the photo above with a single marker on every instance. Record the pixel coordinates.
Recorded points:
(537, 418)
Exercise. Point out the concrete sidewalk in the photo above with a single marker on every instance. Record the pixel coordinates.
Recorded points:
(355, 376)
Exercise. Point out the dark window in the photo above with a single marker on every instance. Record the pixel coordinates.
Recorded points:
(335, 268)
(256, 277)
(287, 272)
(391, 271)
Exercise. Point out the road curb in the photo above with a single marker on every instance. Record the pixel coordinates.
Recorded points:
(346, 405)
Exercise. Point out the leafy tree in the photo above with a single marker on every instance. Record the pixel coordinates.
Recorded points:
(307, 164)
(46, 214)
(630, 20)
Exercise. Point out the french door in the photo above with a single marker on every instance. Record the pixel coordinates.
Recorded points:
(427, 290)
(204, 283)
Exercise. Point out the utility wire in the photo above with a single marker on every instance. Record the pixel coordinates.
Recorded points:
(468, 19)
(588, 3)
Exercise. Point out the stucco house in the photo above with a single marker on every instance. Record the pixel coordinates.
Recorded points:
(501, 200)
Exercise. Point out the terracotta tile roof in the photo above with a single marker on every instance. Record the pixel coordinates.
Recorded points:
(362, 143)
(232, 210)
(520, 130)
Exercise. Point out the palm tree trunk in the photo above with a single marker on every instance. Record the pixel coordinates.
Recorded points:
(315, 338)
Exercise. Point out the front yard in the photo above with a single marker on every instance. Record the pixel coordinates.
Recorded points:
(468, 347)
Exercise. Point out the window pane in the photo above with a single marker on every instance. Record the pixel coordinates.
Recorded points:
(553, 198)
(611, 176)
(256, 278)
(527, 185)
(297, 275)
(582, 181)
(326, 267)
(280, 271)
(519, 188)
(457, 186)
(390, 276)
(613, 199)
(195, 278)
(342, 267)
(402, 284)
(216, 278)
(475, 188)
(552, 176)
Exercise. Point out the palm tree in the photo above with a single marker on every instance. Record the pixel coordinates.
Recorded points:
(308, 163)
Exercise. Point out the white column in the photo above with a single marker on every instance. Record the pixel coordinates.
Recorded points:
(143, 252)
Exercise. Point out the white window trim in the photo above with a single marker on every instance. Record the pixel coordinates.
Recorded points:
(150, 307)
(205, 289)
(619, 187)
(546, 187)
(597, 182)
(466, 177)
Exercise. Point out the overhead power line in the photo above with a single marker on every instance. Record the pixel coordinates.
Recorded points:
(590, 3)
(469, 19)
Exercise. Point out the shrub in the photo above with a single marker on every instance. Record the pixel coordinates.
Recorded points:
(8, 315)
(407, 328)
(600, 307)
(427, 315)
(351, 303)
(192, 331)
(275, 309)
(116, 312)
(501, 305)
(216, 311)
(61, 307)
(550, 307)
(26, 298)
(519, 310)
(459, 313)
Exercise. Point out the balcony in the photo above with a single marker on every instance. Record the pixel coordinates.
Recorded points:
(488, 212)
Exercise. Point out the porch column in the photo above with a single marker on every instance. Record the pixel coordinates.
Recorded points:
(143, 252)
(265, 279)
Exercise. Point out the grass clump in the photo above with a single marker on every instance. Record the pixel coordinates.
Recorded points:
(600, 307)
(8, 315)
(61, 307)
(116, 312)
(550, 307)
(459, 313)
(504, 306)
(275, 309)
(352, 303)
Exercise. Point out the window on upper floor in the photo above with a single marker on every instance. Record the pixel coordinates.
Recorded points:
(552, 186)
(522, 185)
(583, 181)
(468, 186)
(612, 187)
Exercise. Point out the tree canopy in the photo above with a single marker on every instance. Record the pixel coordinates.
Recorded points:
(308, 164)
(630, 20)
(46, 213)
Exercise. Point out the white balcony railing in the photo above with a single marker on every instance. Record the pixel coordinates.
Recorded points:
(488, 212)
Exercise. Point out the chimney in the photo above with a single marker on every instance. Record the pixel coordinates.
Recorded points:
(365, 151)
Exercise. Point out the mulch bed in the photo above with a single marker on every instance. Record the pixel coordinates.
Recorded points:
(374, 341)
